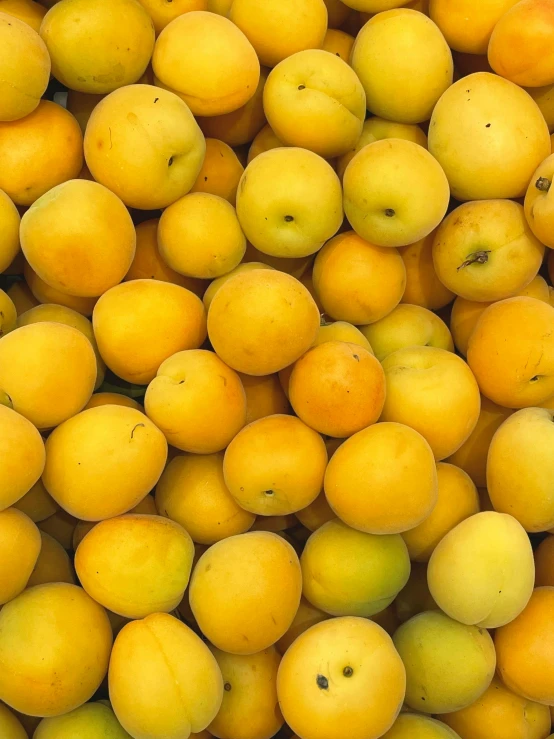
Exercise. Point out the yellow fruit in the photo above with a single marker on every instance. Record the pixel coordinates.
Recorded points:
(414, 726)
(87, 722)
(264, 141)
(342, 331)
(415, 597)
(10, 726)
(61, 527)
(395, 192)
(162, 12)
(112, 399)
(467, 24)
(98, 62)
(9, 230)
(101, 450)
(289, 202)
(38, 504)
(27, 11)
(220, 172)
(538, 203)
(338, 43)
(214, 286)
(264, 396)
(8, 314)
(306, 616)
(53, 563)
(423, 286)
(20, 549)
(44, 293)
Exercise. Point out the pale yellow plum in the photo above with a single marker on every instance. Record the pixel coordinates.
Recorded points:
(214, 286)
(419, 71)
(466, 24)
(407, 325)
(265, 140)
(20, 549)
(9, 231)
(38, 504)
(539, 202)
(89, 721)
(143, 143)
(112, 399)
(98, 63)
(53, 563)
(489, 136)
(395, 192)
(342, 331)
(289, 202)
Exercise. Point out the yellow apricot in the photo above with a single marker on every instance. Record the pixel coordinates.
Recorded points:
(307, 615)
(414, 597)
(264, 396)
(101, 450)
(538, 202)
(61, 527)
(414, 726)
(220, 172)
(317, 513)
(466, 24)
(342, 331)
(27, 11)
(8, 314)
(9, 231)
(53, 563)
(38, 504)
(295, 266)
(98, 399)
(10, 726)
(87, 722)
(338, 43)
(214, 286)
(162, 12)
(264, 141)
(20, 549)
(45, 293)
(423, 286)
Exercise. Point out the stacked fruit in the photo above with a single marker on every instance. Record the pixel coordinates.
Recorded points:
(276, 372)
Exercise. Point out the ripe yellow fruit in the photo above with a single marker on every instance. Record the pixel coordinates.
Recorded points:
(489, 136)
(341, 676)
(220, 172)
(395, 192)
(87, 722)
(53, 563)
(264, 141)
(38, 504)
(188, 60)
(20, 546)
(25, 68)
(314, 100)
(28, 11)
(261, 321)
(245, 590)
(538, 202)
(8, 314)
(92, 62)
(10, 726)
(338, 43)
(9, 231)
(423, 286)
(162, 12)
(101, 450)
(161, 650)
(197, 401)
(467, 24)
(306, 616)
(264, 396)
(289, 202)
(44, 293)
(214, 286)
(143, 143)
(414, 726)
(52, 665)
(48, 370)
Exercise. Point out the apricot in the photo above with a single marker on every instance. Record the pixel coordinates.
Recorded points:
(395, 192)
(48, 370)
(415, 726)
(264, 396)
(338, 43)
(250, 709)
(197, 401)
(407, 325)
(52, 665)
(344, 676)
(162, 13)
(199, 235)
(337, 388)
(511, 352)
(485, 251)
(264, 140)
(261, 321)
(295, 266)
(141, 323)
(38, 504)
(307, 615)
(9, 231)
(356, 280)
(10, 726)
(192, 492)
(314, 100)
(337, 13)
(112, 399)
(490, 140)
(500, 714)
(433, 391)
(433, 646)
(98, 63)
(245, 591)
(472, 455)
(524, 649)
(143, 143)
(275, 466)
(161, 650)
(220, 172)
(367, 478)
(544, 562)
(25, 68)
(44, 293)
(414, 597)
(27, 11)
(187, 60)
(20, 549)
(316, 514)
(351, 573)
(344, 332)
(289, 202)
(538, 204)
(305, 23)
(423, 287)
(81, 105)
(214, 286)
(419, 71)
(61, 527)
(467, 25)
(101, 450)
(53, 563)
(87, 722)
(8, 314)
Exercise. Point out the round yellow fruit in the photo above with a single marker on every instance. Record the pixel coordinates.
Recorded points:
(9, 231)
(264, 396)
(22, 456)
(53, 563)
(220, 172)
(467, 24)
(214, 285)
(20, 546)
(38, 504)
(414, 726)
(162, 12)
(338, 43)
(539, 209)
(44, 293)
(89, 721)
(10, 726)
(28, 11)
(423, 286)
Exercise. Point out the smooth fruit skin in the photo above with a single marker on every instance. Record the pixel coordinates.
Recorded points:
(490, 140)
(261, 321)
(197, 401)
(511, 352)
(164, 682)
(192, 491)
(264, 396)
(75, 224)
(485, 251)
(214, 285)
(22, 456)
(220, 172)
(27, 11)
(449, 665)
(245, 590)
(9, 231)
(41, 292)
(10, 726)
(188, 59)
(337, 388)
(20, 548)
(414, 726)
(98, 63)
(341, 677)
(423, 286)
(55, 643)
(314, 100)
(250, 709)
(367, 477)
(350, 573)
(53, 563)
(395, 192)
(317, 513)
(466, 24)
(162, 12)
(539, 209)
(419, 71)
(143, 143)
(37, 503)
(101, 450)
(524, 649)
(500, 714)
(25, 69)
(339, 43)
(87, 722)
(289, 202)
(112, 399)
(433, 391)
(275, 466)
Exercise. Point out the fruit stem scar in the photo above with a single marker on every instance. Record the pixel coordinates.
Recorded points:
(288, 219)
(136, 427)
(389, 212)
(170, 162)
(543, 183)
(227, 687)
(322, 682)
(301, 87)
(348, 671)
(268, 492)
(477, 257)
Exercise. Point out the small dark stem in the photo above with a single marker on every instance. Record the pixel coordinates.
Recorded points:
(543, 184)
(478, 257)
